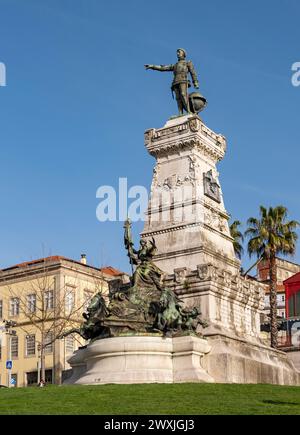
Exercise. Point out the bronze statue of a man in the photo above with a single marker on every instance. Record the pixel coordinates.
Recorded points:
(180, 84)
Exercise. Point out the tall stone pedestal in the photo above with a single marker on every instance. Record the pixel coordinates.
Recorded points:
(186, 213)
(188, 220)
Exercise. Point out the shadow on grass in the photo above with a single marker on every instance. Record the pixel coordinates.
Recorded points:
(278, 402)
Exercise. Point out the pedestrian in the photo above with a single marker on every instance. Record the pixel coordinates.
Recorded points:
(42, 383)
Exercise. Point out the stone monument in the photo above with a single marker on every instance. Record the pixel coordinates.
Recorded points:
(188, 219)
(151, 330)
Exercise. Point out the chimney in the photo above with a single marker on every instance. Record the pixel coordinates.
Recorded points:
(83, 259)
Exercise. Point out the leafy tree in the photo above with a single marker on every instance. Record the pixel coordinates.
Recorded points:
(47, 308)
(269, 236)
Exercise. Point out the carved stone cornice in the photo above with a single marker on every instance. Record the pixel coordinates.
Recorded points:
(190, 133)
(210, 277)
(170, 229)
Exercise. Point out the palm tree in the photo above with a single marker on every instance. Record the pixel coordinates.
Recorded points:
(238, 238)
(270, 236)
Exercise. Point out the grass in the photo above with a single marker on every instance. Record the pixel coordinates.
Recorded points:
(152, 399)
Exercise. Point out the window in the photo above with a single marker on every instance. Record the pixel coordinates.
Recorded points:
(69, 344)
(31, 303)
(70, 300)
(14, 344)
(32, 378)
(279, 275)
(294, 305)
(282, 298)
(49, 300)
(49, 342)
(1, 309)
(30, 345)
(14, 306)
(48, 376)
(297, 304)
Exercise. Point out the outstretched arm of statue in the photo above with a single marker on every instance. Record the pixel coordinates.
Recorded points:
(160, 67)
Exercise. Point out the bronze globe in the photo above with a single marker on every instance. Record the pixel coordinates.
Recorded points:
(197, 102)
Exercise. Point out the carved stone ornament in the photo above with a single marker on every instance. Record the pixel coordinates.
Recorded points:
(180, 275)
(206, 271)
(175, 181)
(221, 142)
(227, 278)
(211, 187)
(155, 176)
(148, 136)
(195, 124)
(170, 182)
(203, 272)
(208, 218)
(222, 224)
(261, 294)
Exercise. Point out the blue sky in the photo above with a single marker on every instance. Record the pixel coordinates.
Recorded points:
(78, 101)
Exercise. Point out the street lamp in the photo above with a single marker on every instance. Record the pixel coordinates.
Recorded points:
(8, 325)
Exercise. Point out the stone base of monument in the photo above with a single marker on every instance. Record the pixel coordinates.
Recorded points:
(150, 359)
(139, 360)
(232, 306)
(235, 360)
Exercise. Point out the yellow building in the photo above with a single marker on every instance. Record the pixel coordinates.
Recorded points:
(49, 296)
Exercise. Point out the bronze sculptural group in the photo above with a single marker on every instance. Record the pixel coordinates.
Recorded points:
(143, 306)
(170, 316)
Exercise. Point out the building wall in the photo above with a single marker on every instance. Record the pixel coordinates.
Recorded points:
(285, 269)
(292, 289)
(60, 278)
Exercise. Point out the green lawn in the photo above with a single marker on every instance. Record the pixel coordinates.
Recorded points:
(174, 399)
